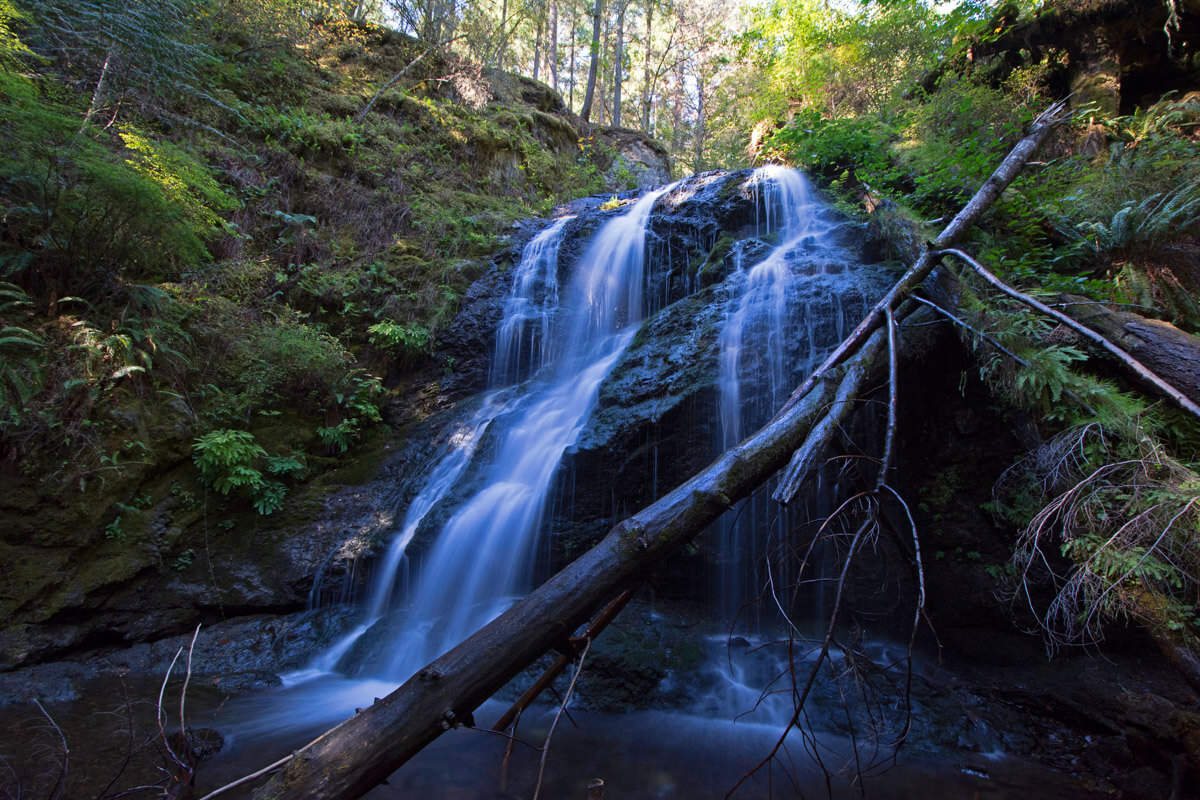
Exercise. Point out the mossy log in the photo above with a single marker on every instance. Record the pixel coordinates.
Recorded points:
(349, 760)
(1170, 352)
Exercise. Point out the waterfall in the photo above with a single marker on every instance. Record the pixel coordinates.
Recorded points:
(522, 348)
(483, 558)
(776, 332)
(482, 508)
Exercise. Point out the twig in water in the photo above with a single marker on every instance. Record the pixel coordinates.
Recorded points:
(60, 786)
(562, 707)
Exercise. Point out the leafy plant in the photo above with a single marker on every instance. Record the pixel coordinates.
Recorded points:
(1127, 517)
(228, 461)
(850, 150)
(112, 530)
(1148, 223)
(225, 459)
(410, 339)
(184, 559)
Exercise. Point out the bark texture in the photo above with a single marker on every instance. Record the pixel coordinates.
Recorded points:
(1170, 352)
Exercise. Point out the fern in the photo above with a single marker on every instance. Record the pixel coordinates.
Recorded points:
(1147, 223)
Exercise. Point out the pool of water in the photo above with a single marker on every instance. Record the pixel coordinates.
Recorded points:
(647, 755)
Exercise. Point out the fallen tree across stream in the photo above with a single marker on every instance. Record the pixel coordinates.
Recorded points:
(361, 752)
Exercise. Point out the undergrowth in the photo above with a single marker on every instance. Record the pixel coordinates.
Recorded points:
(202, 229)
(1109, 505)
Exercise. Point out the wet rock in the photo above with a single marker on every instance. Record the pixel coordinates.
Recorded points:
(233, 657)
(198, 743)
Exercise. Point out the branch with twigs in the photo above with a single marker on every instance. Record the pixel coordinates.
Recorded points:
(1132, 365)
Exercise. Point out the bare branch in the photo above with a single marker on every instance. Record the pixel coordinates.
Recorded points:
(1128, 361)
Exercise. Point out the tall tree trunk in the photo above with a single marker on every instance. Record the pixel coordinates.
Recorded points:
(597, 13)
(552, 45)
(503, 35)
(574, 43)
(537, 42)
(647, 79)
(677, 112)
(602, 95)
(699, 156)
(618, 56)
(101, 87)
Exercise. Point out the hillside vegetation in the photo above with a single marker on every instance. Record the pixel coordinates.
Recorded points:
(226, 225)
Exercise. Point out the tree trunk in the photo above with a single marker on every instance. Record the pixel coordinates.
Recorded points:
(597, 12)
(1168, 351)
(349, 760)
(503, 35)
(552, 45)
(537, 50)
(647, 82)
(698, 161)
(618, 55)
(574, 42)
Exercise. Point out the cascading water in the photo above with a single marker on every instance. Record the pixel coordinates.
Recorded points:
(522, 348)
(494, 497)
(776, 332)
(484, 555)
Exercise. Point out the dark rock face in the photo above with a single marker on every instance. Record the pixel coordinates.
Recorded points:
(233, 657)
(1119, 54)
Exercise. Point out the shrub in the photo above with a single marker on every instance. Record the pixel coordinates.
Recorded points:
(843, 150)
(231, 461)
(409, 339)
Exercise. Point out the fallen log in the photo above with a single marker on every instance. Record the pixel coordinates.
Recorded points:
(1134, 367)
(352, 758)
(1168, 351)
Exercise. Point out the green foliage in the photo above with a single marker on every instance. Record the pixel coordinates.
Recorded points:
(184, 559)
(409, 339)
(224, 458)
(1126, 515)
(21, 371)
(355, 397)
(844, 151)
(113, 532)
(231, 461)
(186, 182)
(12, 49)
(79, 207)
(133, 52)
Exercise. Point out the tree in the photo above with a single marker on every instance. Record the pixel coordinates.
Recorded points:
(594, 65)
(618, 62)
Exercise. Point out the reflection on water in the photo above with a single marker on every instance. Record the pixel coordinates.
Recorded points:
(638, 755)
(646, 755)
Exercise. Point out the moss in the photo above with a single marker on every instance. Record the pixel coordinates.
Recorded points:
(362, 465)
(712, 269)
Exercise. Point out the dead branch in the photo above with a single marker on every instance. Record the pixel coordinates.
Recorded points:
(349, 760)
(561, 708)
(575, 646)
(60, 785)
(1129, 362)
(367, 108)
